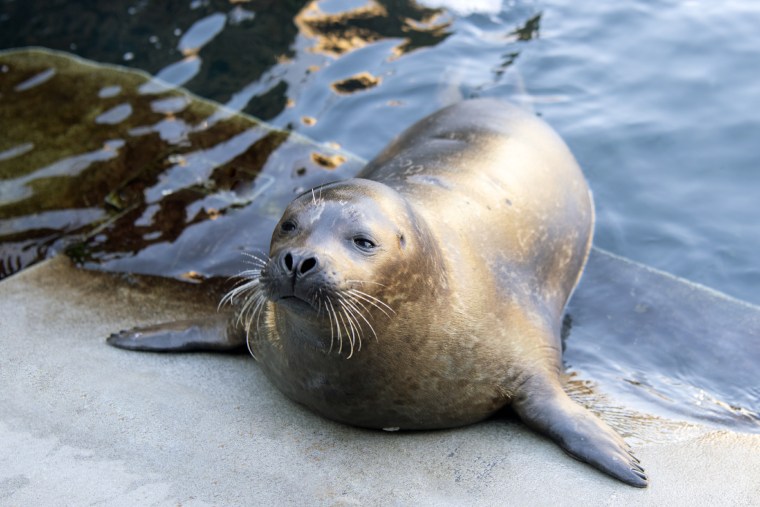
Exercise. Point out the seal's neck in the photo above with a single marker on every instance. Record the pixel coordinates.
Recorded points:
(302, 329)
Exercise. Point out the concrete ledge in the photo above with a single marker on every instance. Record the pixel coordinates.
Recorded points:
(84, 423)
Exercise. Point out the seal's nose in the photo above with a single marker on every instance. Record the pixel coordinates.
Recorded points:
(299, 263)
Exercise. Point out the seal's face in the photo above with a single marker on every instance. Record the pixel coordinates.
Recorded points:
(332, 254)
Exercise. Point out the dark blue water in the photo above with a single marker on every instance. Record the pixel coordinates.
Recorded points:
(657, 99)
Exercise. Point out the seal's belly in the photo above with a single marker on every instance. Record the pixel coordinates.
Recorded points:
(407, 396)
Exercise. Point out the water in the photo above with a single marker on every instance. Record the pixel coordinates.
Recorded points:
(657, 99)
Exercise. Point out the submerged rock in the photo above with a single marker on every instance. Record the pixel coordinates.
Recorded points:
(126, 172)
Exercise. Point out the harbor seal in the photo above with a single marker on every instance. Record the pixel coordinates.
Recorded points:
(429, 291)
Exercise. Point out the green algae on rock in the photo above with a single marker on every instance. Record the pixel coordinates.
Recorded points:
(125, 171)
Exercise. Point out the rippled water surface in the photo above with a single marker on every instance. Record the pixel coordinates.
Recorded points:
(659, 101)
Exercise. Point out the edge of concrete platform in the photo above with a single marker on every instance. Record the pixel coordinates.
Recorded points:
(84, 423)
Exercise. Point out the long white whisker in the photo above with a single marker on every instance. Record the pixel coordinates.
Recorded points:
(380, 305)
(258, 259)
(348, 335)
(351, 303)
(256, 263)
(337, 328)
(247, 276)
(248, 344)
(259, 310)
(352, 311)
(365, 281)
(242, 319)
(359, 303)
(355, 336)
(328, 305)
(351, 332)
(249, 290)
(318, 296)
(249, 306)
(349, 311)
(369, 297)
(250, 284)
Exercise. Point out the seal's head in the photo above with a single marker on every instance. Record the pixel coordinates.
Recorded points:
(337, 259)
(335, 238)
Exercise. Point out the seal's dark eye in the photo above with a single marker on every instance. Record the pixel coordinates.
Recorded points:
(364, 243)
(288, 226)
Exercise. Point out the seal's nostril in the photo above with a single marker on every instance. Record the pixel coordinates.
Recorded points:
(288, 262)
(307, 265)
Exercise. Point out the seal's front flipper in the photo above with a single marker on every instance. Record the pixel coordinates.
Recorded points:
(216, 334)
(544, 406)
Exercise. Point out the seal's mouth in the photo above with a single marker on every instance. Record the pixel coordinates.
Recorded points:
(295, 302)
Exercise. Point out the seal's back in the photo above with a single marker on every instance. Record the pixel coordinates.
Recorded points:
(499, 176)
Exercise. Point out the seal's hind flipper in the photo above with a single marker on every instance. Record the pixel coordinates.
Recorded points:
(545, 407)
(214, 334)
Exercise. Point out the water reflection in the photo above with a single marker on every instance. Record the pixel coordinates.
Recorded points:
(22, 188)
(287, 60)
(213, 47)
(336, 33)
(166, 162)
(359, 82)
(35, 80)
(152, 154)
(666, 345)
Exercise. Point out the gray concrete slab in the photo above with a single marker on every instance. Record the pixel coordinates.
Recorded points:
(82, 423)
